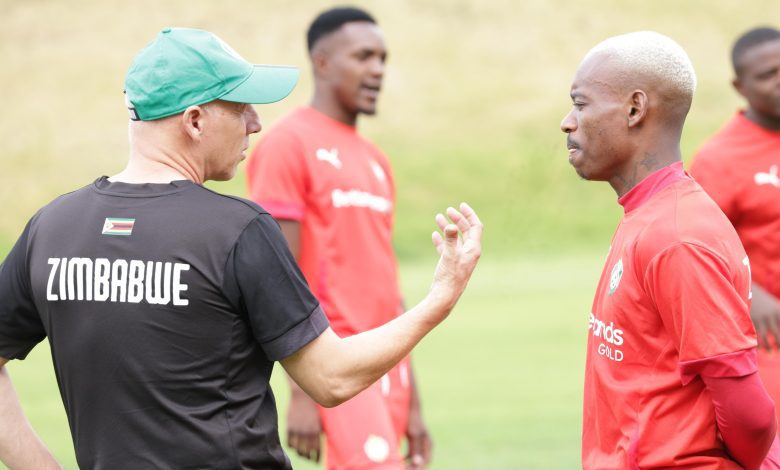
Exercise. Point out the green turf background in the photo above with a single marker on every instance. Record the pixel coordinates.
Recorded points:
(474, 94)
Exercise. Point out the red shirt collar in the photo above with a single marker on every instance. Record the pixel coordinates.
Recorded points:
(651, 185)
(746, 123)
(329, 120)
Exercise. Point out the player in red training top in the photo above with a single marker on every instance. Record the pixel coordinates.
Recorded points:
(333, 194)
(670, 377)
(740, 169)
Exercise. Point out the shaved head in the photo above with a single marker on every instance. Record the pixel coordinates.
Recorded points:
(651, 54)
(649, 59)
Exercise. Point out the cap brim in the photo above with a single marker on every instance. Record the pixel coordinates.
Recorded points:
(266, 84)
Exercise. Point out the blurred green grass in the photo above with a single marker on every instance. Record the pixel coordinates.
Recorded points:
(501, 379)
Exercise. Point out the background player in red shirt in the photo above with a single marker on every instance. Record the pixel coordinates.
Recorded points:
(670, 378)
(333, 194)
(738, 167)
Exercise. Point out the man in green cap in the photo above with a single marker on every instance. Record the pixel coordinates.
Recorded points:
(166, 304)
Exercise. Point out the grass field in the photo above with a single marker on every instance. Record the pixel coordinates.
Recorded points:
(501, 379)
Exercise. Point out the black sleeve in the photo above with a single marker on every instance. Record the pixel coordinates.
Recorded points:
(20, 324)
(263, 280)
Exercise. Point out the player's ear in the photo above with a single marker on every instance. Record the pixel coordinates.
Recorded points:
(319, 61)
(637, 108)
(738, 85)
(192, 122)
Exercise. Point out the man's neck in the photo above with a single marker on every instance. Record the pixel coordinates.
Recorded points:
(141, 169)
(329, 106)
(641, 166)
(766, 122)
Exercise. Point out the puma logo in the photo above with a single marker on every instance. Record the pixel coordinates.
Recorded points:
(331, 156)
(768, 178)
(378, 171)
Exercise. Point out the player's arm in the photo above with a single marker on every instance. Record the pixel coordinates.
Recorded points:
(303, 423)
(765, 313)
(332, 369)
(745, 415)
(291, 229)
(303, 419)
(20, 330)
(711, 301)
(20, 447)
(420, 443)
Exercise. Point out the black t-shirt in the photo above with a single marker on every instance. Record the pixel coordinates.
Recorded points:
(165, 306)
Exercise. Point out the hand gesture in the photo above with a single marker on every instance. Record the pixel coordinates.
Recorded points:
(459, 250)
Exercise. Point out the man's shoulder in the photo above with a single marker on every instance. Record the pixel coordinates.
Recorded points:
(732, 140)
(195, 195)
(62, 201)
(229, 204)
(685, 215)
(188, 200)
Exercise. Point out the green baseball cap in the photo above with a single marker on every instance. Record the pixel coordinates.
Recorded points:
(184, 67)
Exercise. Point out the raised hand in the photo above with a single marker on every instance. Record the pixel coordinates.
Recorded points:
(459, 250)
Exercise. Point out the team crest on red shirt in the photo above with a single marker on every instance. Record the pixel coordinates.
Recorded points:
(615, 276)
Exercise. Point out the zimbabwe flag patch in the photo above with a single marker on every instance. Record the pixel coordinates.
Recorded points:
(116, 226)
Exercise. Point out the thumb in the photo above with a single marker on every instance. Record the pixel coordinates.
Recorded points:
(451, 236)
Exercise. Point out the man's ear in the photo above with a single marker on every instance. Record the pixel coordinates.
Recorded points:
(319, 62)
(738, 85)
(637, 109)
(192, 122)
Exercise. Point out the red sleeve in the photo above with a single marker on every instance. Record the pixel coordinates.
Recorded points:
(277, 175)
(704, 307)
(717, 181)
(745, 415)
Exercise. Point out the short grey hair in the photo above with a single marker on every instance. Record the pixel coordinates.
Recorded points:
(651, 54)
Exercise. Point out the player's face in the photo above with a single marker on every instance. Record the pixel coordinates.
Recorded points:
(228, 135)
(595, 126)
(759, 78)
(356, 66)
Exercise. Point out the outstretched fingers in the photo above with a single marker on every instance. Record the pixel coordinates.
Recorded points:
(464, 221)
(438, 240)
(475, 225)
(441, 221)
(458, 242)
(458, 219)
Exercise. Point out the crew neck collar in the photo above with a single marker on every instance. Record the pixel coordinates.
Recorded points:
(118, 188)
(652, 185)
(756, 126)
(334, 122)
